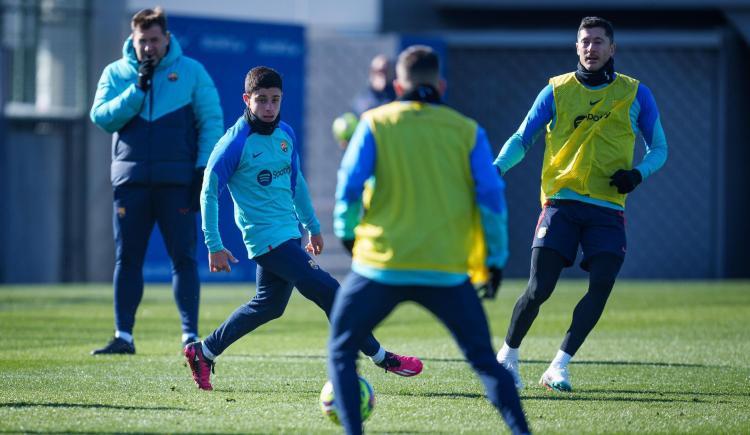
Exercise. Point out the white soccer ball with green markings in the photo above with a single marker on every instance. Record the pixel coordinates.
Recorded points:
(343, 126)
(366, 403)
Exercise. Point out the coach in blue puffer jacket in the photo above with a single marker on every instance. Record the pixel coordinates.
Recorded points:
(163, 111)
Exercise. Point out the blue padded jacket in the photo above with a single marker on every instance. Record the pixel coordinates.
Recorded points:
(160, 136)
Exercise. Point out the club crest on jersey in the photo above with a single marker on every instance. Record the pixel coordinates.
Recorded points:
(541, 232)
(121, 212)
(172, 77)
(284, 146)
(313, 264)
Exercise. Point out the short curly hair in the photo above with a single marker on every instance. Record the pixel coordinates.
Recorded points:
(262, 77)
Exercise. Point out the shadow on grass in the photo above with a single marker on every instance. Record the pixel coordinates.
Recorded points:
(577, 398)
(98, 432)
(627, 363)
(448, 395)
(279, 356)
(595, 363)
(88, 405)
(431, 431)
(528, 361)
(566, 396)
(665, 393)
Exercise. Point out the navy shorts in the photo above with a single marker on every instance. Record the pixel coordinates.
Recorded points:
(565, 224)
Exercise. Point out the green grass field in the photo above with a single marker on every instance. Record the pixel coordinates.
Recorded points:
(668, 358)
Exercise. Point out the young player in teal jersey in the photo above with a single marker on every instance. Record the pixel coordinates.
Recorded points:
(258, 160)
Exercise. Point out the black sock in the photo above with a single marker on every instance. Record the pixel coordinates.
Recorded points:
(603, 270)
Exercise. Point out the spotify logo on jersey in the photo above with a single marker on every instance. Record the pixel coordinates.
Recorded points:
(265, 177)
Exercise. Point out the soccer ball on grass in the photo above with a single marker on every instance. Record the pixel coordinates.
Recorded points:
(366, 403)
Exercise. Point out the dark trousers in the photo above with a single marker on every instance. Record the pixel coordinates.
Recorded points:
(546, 265)
(278, 272)
(362, 304)
(136, 209)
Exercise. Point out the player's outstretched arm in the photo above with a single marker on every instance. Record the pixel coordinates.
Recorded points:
(490, 196)
(210, 212)
(303, 206)
(649, 124)
(516, 147)
(223, 162)
(301, 200)
(357, 167)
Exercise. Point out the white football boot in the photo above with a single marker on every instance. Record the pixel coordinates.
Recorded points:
(511, 365)
(557, 379)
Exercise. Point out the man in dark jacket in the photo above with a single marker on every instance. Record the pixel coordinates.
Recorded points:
(163, 111)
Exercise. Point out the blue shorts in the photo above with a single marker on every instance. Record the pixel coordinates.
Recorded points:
(564, 224)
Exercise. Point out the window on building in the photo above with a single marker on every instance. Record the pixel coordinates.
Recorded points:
(43, 57)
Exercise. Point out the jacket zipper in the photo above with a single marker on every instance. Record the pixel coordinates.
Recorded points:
(148, 130)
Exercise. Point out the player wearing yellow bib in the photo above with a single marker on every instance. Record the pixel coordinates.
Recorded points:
(432, 196)
(591, 118)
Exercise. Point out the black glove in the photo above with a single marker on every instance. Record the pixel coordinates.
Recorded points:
(626, 180)
(348, 245)
(490, 288)
(195, 190)
(146, 73)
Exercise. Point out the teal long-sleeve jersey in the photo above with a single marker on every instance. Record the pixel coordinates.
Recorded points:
(262, 173)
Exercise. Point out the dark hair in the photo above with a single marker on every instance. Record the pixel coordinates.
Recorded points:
(262, 77)
(418, 65)
(591, 22)
(146, 18)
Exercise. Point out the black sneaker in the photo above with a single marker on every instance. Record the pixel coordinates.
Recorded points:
(115, 346)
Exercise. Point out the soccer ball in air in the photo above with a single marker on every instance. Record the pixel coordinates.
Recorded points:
(343, 127)
(366, 400)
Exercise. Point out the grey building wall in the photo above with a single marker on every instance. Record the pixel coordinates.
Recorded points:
(735, 160)
(54, 165)
(33, 192)
(110, 28)
(42, 139)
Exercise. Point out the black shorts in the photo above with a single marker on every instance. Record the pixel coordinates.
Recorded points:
(565, 224)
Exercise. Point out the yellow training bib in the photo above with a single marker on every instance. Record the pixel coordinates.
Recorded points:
(592, 137)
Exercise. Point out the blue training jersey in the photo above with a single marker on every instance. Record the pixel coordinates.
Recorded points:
(644, 117)
(262, 173)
